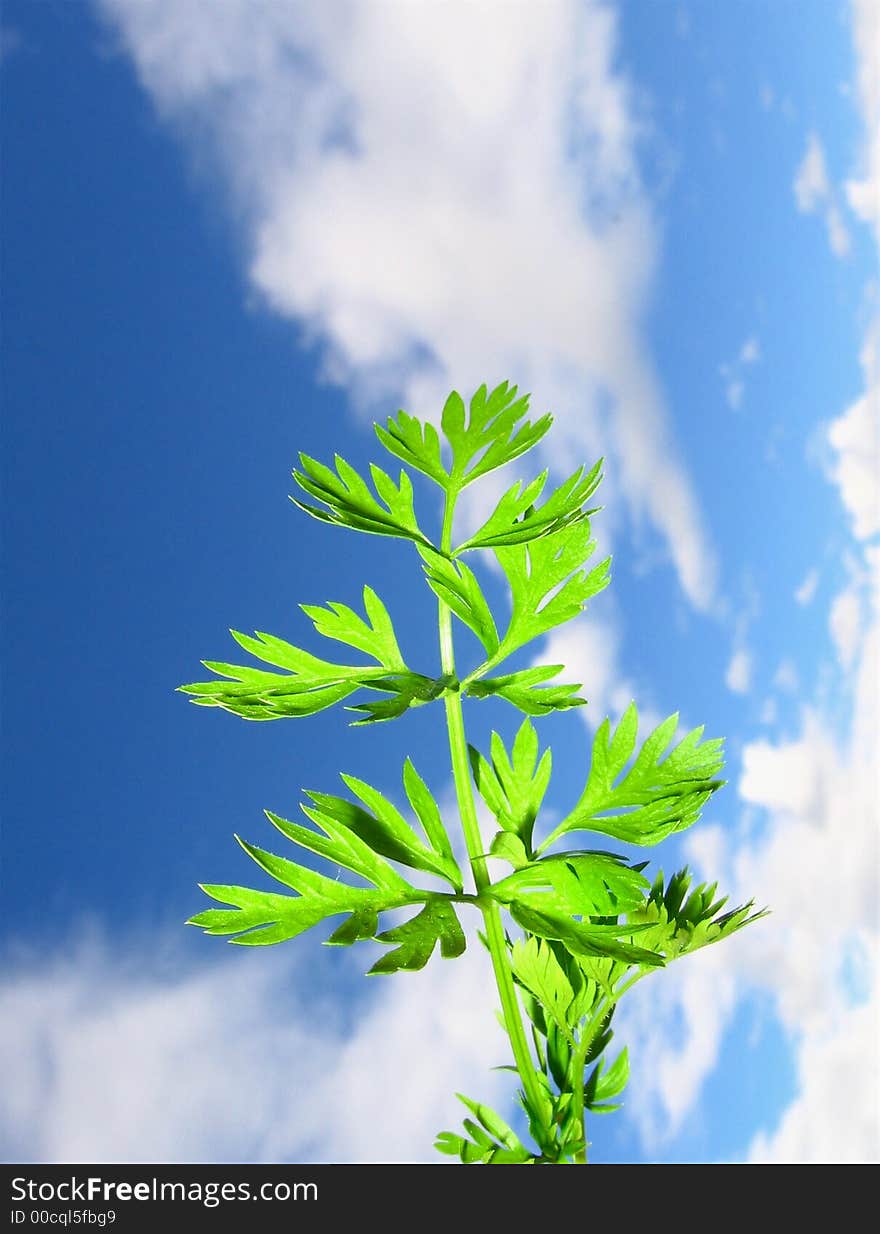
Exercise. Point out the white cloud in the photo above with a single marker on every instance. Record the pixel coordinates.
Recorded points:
(855, 439)
(807, 590)
(786, 778)
(814, 194)
(820, 790)
(106, 1057)
(740, 669)
(750, 352)
(734, 391)
(786, 677)
(739, 672)
(590, 649)
(440, 198)
(863, 193)
(811, 187)
(733, 373)
(838, 236)
(836, 1116)
(845, 624)
(674, 1007)
(815, 864)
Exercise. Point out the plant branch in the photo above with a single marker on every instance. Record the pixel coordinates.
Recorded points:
(473, 840)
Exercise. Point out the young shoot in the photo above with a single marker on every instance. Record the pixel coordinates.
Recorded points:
(569, 931)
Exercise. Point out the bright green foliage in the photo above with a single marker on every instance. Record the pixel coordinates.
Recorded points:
(490, 431)
(516, 519)
(513, 786)
(537, 970)
(311, 684)
(604, 1084)
(259, 917)
(350, 503)
(384, 829)
(657, 795)
(416, 939)
(682, 920)
(489, 1141)
(579, 927)
(456, 585)
(577, 884)
(535, 569)
(487, 434)
(375, 636)
(525, 691)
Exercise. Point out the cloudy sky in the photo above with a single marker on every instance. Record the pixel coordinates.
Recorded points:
(239, 229)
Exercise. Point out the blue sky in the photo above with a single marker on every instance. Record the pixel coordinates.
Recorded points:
(233, 232)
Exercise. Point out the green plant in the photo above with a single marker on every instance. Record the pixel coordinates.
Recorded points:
(591, 923)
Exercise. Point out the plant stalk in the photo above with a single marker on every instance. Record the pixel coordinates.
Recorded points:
(590, 1033)
(473, 840)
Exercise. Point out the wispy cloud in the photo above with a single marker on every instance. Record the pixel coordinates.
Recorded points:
(820, 843)
(863, 190)
(439, 198)
(814, 194)
(786, 677)
(807, 589)
(815, 861)
(592, 651)
(845, 624)
(854, 438)
(112, 1055)
(733, 372)
(819, 1127)
(739, 672)
(739, 676)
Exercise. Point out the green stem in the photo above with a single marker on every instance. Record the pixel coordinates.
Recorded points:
(583, 1046)
(471, 829)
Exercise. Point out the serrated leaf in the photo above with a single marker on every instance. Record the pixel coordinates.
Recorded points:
(342, 846)
(536, 967)
(261, 918)
(456, 585)
(615, 1079)
(384, 830)
(585, 939)
(494, 1124)
(547, 585)
(375, 636)
(427, 811)
(284, 916)
(516, 518)
(416, 939)
(450, 1144)
(309, 685)
(363, 924)
(350, 503)
(524, 691)
(405, 689)
(513, 786)
(414, 443)
(657, 796)
(602, 1084)
(488, 437)
(310, 883)
(584, 884)
(509, 847)
(676, 923)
